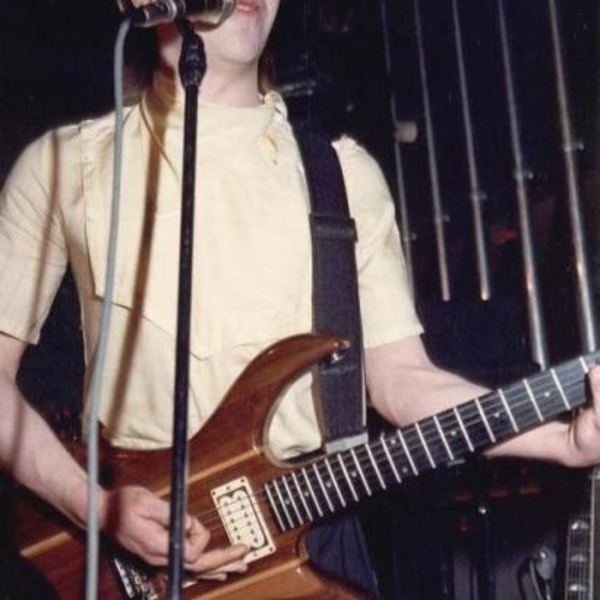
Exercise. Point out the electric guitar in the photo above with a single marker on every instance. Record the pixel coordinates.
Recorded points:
(582, 574)
(242, 494)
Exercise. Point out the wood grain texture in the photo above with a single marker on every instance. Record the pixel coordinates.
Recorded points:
(229, 446)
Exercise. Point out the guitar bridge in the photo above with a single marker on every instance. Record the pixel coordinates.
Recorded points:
(136, 584)
(242, 519)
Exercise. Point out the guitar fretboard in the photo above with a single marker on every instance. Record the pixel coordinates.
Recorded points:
(338, 480)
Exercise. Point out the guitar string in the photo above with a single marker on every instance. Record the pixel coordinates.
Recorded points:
(366, 461)
(379, 455)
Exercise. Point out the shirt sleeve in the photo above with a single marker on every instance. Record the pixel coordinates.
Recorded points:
(33, 255)
(387, 308)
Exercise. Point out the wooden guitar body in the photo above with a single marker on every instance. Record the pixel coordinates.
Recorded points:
(229, 451)
(243, 495)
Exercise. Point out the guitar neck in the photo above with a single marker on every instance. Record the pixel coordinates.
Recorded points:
(336, 481)
(582, 574)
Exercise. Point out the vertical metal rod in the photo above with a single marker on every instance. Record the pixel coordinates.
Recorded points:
(192, 66)
(438, 215)
(537, 332)
(570, 146)
(405, 232)
(476, 195)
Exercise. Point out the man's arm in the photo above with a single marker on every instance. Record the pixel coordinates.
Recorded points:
(34, 456)
(405, 386)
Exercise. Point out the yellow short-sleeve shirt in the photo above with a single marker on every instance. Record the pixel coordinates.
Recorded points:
(252, 257)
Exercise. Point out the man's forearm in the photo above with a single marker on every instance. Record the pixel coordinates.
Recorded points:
(34, 456)
(406, 387)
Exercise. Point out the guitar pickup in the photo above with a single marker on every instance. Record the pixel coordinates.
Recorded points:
(242, 519)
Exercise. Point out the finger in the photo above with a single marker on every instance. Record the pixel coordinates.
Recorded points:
(196, 540)
(157, 509)
(213, 576)
(211, 561)
(238, 566)
(154, 546)
(595, 384)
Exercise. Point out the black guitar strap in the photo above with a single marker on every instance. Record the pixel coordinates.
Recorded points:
(335, 293)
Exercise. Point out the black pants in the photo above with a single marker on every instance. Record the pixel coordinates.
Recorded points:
(20, 580)
(338, 547)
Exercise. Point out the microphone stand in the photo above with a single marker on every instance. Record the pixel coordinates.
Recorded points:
(192, 65)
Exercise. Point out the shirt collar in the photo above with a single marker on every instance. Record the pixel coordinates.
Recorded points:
(221, 128)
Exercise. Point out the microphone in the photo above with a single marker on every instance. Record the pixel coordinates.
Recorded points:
(208, 12)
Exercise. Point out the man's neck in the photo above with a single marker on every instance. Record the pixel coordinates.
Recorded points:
(227, 84)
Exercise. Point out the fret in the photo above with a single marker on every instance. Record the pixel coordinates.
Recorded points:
(463, 429)
(302, 496)
(407, 452)
(398, 455)
(474, 425)
(375, 467)
(390, 460)
(335, 484)
(496, 415)
(584, 365)
(291, 497)
(417, 450)
(348, 478)
(453, 433)
(360, 472)
(573, 382)
(560, 389)
(485, 421)
(425, 446)
(523, 407)
(443, 437)
(312, 492)
(549, 395)
(283, 504)
(275, 508)
(436, 442)
(322, 485)
(533, 400)
(508, 411)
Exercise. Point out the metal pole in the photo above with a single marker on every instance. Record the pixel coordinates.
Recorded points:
(537, 333)
(438, 215)
(570, 146)
(192, 66)
(476, 195)
(405, 232)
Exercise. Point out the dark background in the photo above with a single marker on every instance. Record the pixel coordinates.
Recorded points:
(329, 63)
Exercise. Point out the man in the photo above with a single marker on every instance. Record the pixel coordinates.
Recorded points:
(251, 286)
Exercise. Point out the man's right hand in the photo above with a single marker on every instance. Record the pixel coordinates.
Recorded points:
(139, 521)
